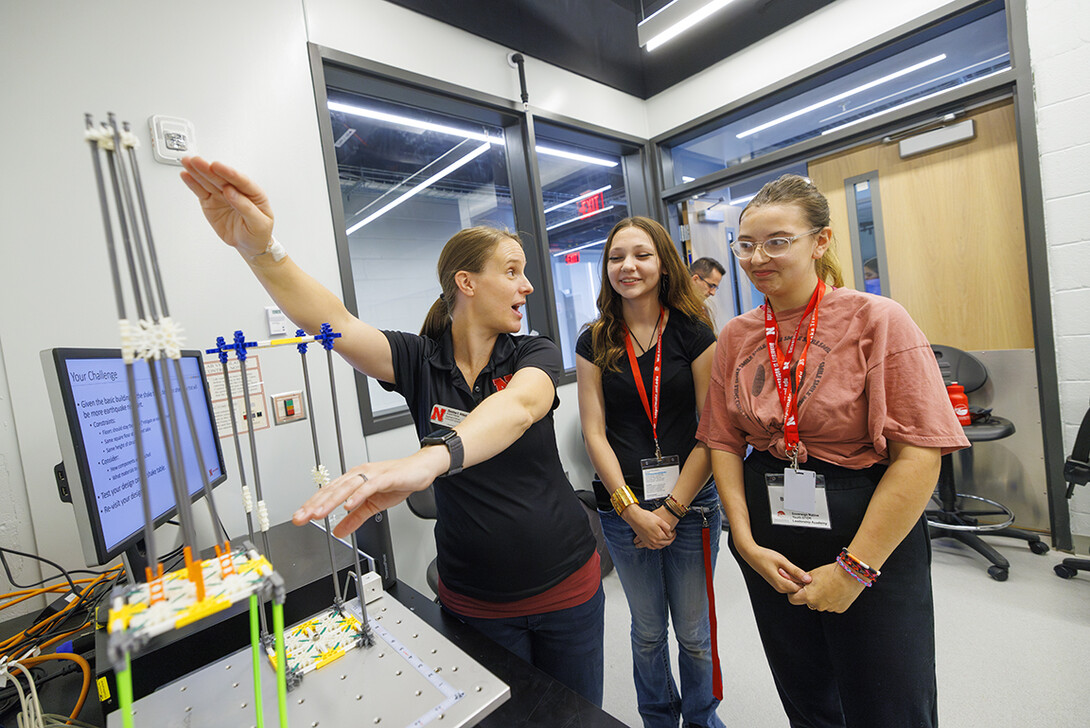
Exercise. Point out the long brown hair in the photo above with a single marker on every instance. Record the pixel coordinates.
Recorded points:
(467, 250)
(791, 189)
(675, 290)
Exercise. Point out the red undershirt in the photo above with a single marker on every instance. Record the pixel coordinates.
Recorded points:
(573, 591)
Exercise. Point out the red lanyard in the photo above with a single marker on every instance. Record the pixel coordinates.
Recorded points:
(652, 409)
(781, 366)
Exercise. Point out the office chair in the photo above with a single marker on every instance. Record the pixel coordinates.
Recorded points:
(1077, 472)
(422, 504)
(964, 516)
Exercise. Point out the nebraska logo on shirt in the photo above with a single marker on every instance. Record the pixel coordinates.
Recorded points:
(501, 382)
(446, 416)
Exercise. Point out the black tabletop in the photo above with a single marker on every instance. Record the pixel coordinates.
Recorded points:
(537, 700)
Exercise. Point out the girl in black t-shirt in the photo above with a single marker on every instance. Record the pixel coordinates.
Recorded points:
(643, 368)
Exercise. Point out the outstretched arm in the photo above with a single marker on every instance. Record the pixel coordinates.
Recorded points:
(493, 426)
(240, 213)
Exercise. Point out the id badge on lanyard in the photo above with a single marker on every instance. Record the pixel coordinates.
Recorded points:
(661, 472)
(813, 513)
(797, 498)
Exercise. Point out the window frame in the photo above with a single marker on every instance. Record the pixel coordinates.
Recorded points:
(1015, 82)
(371, 78)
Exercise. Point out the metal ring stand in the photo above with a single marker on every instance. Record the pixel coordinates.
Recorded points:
(963, 515)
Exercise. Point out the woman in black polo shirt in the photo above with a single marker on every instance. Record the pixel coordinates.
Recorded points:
(515, 553)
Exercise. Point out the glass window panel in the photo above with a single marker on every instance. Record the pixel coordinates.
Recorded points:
(409, 180)
(583, 192)
(736, 293)
(909, 70)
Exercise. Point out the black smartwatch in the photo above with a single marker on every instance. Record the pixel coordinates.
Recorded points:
(454, 446)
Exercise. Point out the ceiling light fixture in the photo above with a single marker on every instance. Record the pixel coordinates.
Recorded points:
(841, 96)
(553, 152)
(579, 247)
(674, 19)
(460, 162)
(583, 196)
(581, 217)
(898, 107)
(412, 123)
(454, 131)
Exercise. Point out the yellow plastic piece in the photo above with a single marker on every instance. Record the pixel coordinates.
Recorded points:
(200, 610)
(124, 615)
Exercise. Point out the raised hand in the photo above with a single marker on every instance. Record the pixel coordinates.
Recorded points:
(236, 208)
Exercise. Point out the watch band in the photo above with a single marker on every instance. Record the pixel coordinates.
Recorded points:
(453, 442)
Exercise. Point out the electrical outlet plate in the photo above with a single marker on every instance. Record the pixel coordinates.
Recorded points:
(171, 138)
(288, 407)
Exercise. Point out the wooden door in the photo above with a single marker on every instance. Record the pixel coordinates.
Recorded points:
(954, 238)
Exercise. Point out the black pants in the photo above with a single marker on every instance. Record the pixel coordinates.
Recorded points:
(872, 666)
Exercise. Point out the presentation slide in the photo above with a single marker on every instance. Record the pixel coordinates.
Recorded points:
(100, 395)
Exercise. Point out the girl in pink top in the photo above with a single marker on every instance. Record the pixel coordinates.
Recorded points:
(841, 399)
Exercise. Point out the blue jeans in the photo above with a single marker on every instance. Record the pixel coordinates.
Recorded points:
(670, 582)
(566, 644)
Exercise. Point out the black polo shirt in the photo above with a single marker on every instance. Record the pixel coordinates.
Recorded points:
(510, 527)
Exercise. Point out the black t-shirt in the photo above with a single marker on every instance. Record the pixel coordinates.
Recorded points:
(510, 527)
(627, 427)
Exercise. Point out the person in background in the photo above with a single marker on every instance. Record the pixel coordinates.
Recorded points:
(841, 399)
(706, 273)
(516, 556)
(643, 368)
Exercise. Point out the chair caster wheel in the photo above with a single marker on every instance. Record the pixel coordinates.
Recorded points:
(998, 573)
(1064, 572)
(1038, 547)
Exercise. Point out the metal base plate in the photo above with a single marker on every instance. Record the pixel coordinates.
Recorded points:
(412, 676)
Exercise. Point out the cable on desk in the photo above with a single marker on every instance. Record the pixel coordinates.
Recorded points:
(24, 665)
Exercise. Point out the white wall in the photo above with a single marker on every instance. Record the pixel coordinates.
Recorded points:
(1059, 38)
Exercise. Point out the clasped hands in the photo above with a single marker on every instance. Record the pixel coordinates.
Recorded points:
(654, 529)
(828, 588)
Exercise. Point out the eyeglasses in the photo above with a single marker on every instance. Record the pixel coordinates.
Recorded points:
(712, 287)
(773, 247)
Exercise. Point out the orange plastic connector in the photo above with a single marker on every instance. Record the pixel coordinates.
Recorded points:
(223, 555)
(156, 593)
(194, 572)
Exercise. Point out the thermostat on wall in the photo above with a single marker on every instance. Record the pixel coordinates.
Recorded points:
(171, 138)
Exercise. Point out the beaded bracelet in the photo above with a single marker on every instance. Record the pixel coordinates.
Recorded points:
(622, 498)
(858, 570)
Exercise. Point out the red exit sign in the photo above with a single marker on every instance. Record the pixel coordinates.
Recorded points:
(591, 204)
(571, 258)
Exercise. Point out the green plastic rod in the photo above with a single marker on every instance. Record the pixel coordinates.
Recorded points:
(124, 693)
(255, 645)
(281, 663)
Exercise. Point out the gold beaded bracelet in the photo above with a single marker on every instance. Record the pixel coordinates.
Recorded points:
(622, 498)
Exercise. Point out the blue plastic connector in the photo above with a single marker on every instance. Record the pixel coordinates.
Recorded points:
(301, 346)
(326, 337)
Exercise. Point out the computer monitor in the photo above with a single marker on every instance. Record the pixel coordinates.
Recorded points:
(89, 392)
